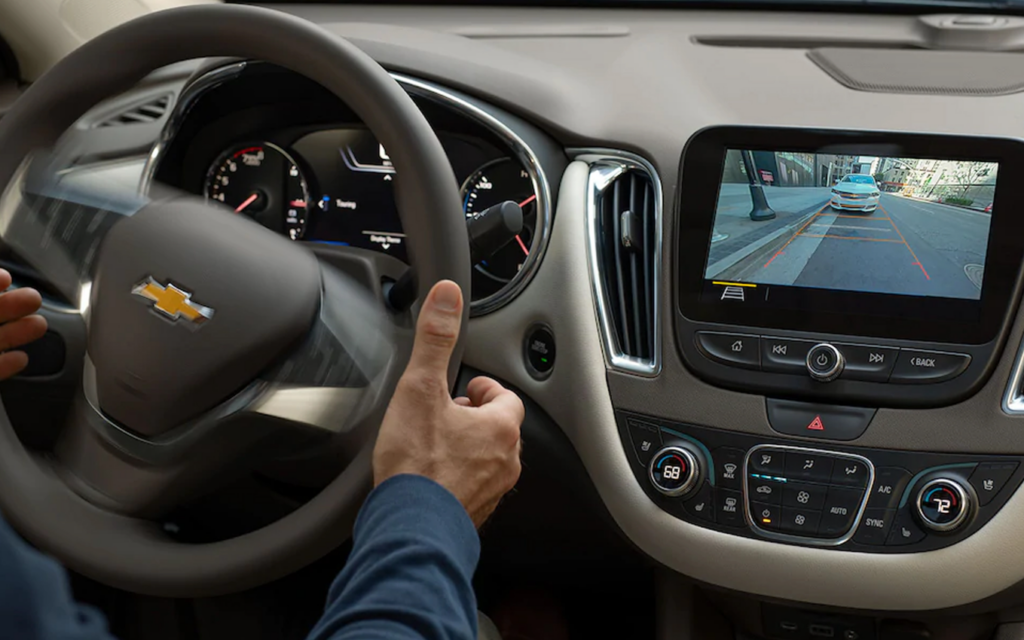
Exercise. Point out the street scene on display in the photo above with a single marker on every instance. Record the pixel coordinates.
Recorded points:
(862, 223)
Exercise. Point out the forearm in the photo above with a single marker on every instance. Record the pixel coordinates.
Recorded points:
(410, 571)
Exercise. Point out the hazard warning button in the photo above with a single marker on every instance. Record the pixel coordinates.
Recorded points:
(813, 420)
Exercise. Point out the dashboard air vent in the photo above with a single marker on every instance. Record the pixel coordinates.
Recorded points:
(625, 229)
(143, 113)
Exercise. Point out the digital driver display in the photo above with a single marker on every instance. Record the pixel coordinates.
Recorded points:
(875, 224)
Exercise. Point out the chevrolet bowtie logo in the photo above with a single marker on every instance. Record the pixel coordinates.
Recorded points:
(172, 301)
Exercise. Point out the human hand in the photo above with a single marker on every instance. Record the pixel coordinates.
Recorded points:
(18, 325)
(469, 445)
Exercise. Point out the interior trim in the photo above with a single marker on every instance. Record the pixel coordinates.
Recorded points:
(458, 102)
(1013, 399)
(606, 165)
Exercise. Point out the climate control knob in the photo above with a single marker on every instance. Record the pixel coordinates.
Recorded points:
(675, 470)
(943, 504)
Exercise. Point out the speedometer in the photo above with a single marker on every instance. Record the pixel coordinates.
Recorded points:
(263, 182)
(491, 184)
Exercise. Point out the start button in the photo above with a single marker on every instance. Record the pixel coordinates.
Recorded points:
(540, 351)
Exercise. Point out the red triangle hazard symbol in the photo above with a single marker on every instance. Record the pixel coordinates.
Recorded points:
(816, 424)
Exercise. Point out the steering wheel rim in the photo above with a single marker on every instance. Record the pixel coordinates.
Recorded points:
(124, 551)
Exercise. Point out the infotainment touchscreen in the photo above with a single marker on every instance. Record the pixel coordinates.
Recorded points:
(853, 233)
(895, 225)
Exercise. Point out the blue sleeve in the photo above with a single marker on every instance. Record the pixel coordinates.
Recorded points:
(410, 572)
(35, 597)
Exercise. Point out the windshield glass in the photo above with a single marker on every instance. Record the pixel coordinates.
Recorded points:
(859, 179)
(988, 6)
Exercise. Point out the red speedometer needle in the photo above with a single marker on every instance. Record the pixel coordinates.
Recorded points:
(528, 200)
(247, 202)
(522, 245)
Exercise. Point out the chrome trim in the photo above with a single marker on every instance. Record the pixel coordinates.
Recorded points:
(323, 408)
(605, 166)
(414, 86)
(1013, 399)
(787, 537)
(169, 446)
(526, 157)
(965, 500)
(692, 471)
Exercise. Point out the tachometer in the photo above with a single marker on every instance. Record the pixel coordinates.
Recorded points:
(263, 182)
(491, 184)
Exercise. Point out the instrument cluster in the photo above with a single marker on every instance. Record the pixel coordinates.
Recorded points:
(335, 186)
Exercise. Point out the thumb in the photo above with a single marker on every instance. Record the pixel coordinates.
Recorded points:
(437, 330)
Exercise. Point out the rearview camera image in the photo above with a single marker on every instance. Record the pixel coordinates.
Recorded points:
(906, 226)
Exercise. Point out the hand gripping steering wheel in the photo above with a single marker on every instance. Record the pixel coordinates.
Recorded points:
(212, 343)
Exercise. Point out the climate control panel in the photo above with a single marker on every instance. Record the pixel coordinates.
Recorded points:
(813, 494)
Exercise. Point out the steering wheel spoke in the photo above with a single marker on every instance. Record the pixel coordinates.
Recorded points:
(58, 230)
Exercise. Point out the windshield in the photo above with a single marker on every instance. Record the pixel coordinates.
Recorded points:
(988, 6)
(859, 179)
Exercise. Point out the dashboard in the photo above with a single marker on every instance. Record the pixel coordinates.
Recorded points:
(781, 382)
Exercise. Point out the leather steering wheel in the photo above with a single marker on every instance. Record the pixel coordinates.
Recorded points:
(212, 343)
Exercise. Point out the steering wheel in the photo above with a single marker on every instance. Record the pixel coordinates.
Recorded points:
(212, 343)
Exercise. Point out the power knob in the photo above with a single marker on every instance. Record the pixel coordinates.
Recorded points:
(675, 470)
(825, 362)
(943, 504)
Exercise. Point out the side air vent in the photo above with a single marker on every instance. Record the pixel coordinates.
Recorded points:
(1013, 400)
(143, 113)
(624, 220)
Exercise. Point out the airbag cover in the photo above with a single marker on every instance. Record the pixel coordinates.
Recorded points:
(155, 372)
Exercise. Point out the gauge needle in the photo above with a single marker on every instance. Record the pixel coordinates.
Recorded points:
(522, 245)
(247, 202)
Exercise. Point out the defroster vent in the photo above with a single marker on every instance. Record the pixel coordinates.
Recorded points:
(625, 230)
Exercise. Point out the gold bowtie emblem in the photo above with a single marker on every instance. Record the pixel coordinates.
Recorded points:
(172, 302)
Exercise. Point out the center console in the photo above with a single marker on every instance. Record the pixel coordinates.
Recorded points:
(837, 273)
(825, 495)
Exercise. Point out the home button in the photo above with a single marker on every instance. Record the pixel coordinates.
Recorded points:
(813, 420)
